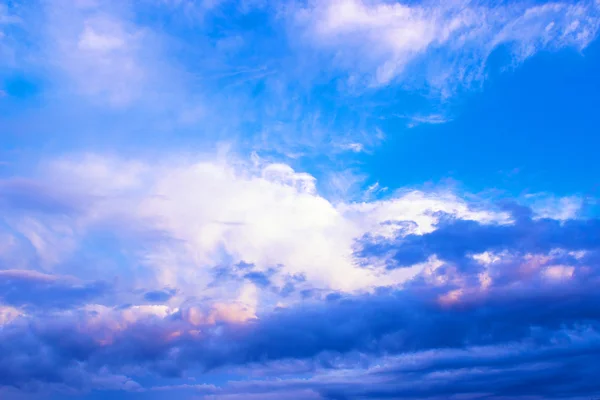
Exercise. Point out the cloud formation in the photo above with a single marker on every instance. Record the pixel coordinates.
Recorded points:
(445, 44)
(224, 200)
(247, 284)
(29, 288)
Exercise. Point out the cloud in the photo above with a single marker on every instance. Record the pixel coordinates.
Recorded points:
(489, 336)
(7, 314)
(427, 119)
(517, 371)
(99, 53)
(42, 291)
(222, 276)
(10, 33)
(263, 90)
(253, 269)
(446, 44)
(202, 213)
(355, 147)
(32, 196)
(454, 240)
(562, 208)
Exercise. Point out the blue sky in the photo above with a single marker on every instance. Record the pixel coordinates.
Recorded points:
(333, 199)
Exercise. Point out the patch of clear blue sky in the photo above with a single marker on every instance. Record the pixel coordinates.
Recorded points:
(532, 129)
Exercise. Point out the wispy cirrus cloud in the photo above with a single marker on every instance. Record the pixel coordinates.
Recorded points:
(443, 45)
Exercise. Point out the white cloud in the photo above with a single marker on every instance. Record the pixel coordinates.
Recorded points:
(431, 119)
(446, 43)
(93, 40)
(354, 147)
(220, 211)
(559, 272)
(102, 54)
(52, 239)
(8, 314)
(560, 208)
(102, 61)
(419, 208)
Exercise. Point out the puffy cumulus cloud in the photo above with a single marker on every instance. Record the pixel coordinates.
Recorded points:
(199, 215)
(233, 265)
(445, 43)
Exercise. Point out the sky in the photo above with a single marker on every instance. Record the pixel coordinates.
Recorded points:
(299, 199)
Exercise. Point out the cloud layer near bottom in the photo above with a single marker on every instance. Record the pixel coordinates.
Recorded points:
(140, 278)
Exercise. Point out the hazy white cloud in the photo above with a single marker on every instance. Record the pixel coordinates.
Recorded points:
(102, 53)
(549, 206)
(354, 147)
(8, 314)
(445, 43)
(220, 210)
(432, 119)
